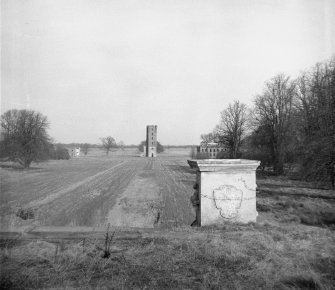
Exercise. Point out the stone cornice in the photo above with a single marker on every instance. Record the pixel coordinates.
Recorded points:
(208, 165)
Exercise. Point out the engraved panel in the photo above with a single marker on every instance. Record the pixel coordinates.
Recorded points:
(228, 200)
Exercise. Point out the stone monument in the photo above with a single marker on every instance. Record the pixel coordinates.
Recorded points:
(227, 190)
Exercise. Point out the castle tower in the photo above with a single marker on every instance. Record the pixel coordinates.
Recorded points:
(151, 144)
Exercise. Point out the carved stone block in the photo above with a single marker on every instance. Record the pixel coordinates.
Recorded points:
(227, 189)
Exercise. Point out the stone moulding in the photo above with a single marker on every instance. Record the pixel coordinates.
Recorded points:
(223, 164)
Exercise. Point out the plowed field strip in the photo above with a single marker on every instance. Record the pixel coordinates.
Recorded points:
(89, 204)
(58, 194)
(176, 195)
(81, 192)
(182, 192)
(22, 187)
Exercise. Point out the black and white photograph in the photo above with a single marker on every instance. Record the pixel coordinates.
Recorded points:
(167, 144)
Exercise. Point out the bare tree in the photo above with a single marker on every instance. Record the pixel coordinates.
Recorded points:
(207, 138)
(274, 111)
(108, 143)
(316, 113)
(121, 145)
(141, 146)
(25, 136)
(85, 148)
(232, 128)
(160, 147)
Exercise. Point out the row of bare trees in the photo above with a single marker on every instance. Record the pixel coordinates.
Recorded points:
(24, 139)
(273, 115)
(160, 147)
(315, 121)
(292, 122)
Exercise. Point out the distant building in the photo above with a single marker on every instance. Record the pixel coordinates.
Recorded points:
(212, 150)
(151, 142)
(74, 152)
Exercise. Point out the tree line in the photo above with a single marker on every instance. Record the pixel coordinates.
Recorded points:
(292, 122)
(160, 147)
(24, 139)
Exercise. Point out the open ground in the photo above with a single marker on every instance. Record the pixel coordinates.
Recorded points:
(292, 245)
(121, 190)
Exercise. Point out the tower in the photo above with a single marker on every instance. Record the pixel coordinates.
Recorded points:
(151, 144)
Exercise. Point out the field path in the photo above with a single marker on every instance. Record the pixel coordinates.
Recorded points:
(139, 205)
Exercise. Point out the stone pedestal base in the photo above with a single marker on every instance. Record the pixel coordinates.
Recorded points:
(227, 190)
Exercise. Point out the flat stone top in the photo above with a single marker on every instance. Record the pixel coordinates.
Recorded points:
(222, 164)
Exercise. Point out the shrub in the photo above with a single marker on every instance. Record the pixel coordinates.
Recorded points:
(61, 153)
(25, 213)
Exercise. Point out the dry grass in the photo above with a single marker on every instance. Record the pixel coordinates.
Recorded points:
(254, 256)
(292, 203)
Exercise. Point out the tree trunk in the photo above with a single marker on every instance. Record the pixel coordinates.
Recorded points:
(235, 148)
(332, 175)
(279, 168)
(278, 165)
(27, 163)
(277, 158)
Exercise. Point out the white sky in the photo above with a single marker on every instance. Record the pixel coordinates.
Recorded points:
(98, 68)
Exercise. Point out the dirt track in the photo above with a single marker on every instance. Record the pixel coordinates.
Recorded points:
(122, 191)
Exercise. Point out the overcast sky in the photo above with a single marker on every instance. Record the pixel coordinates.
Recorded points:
(98, 68)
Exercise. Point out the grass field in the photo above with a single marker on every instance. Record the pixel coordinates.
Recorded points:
(292, 245)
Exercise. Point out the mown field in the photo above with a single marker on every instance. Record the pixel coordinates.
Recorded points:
(292, 245)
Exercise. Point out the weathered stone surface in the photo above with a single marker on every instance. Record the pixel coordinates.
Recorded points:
(227, 190)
